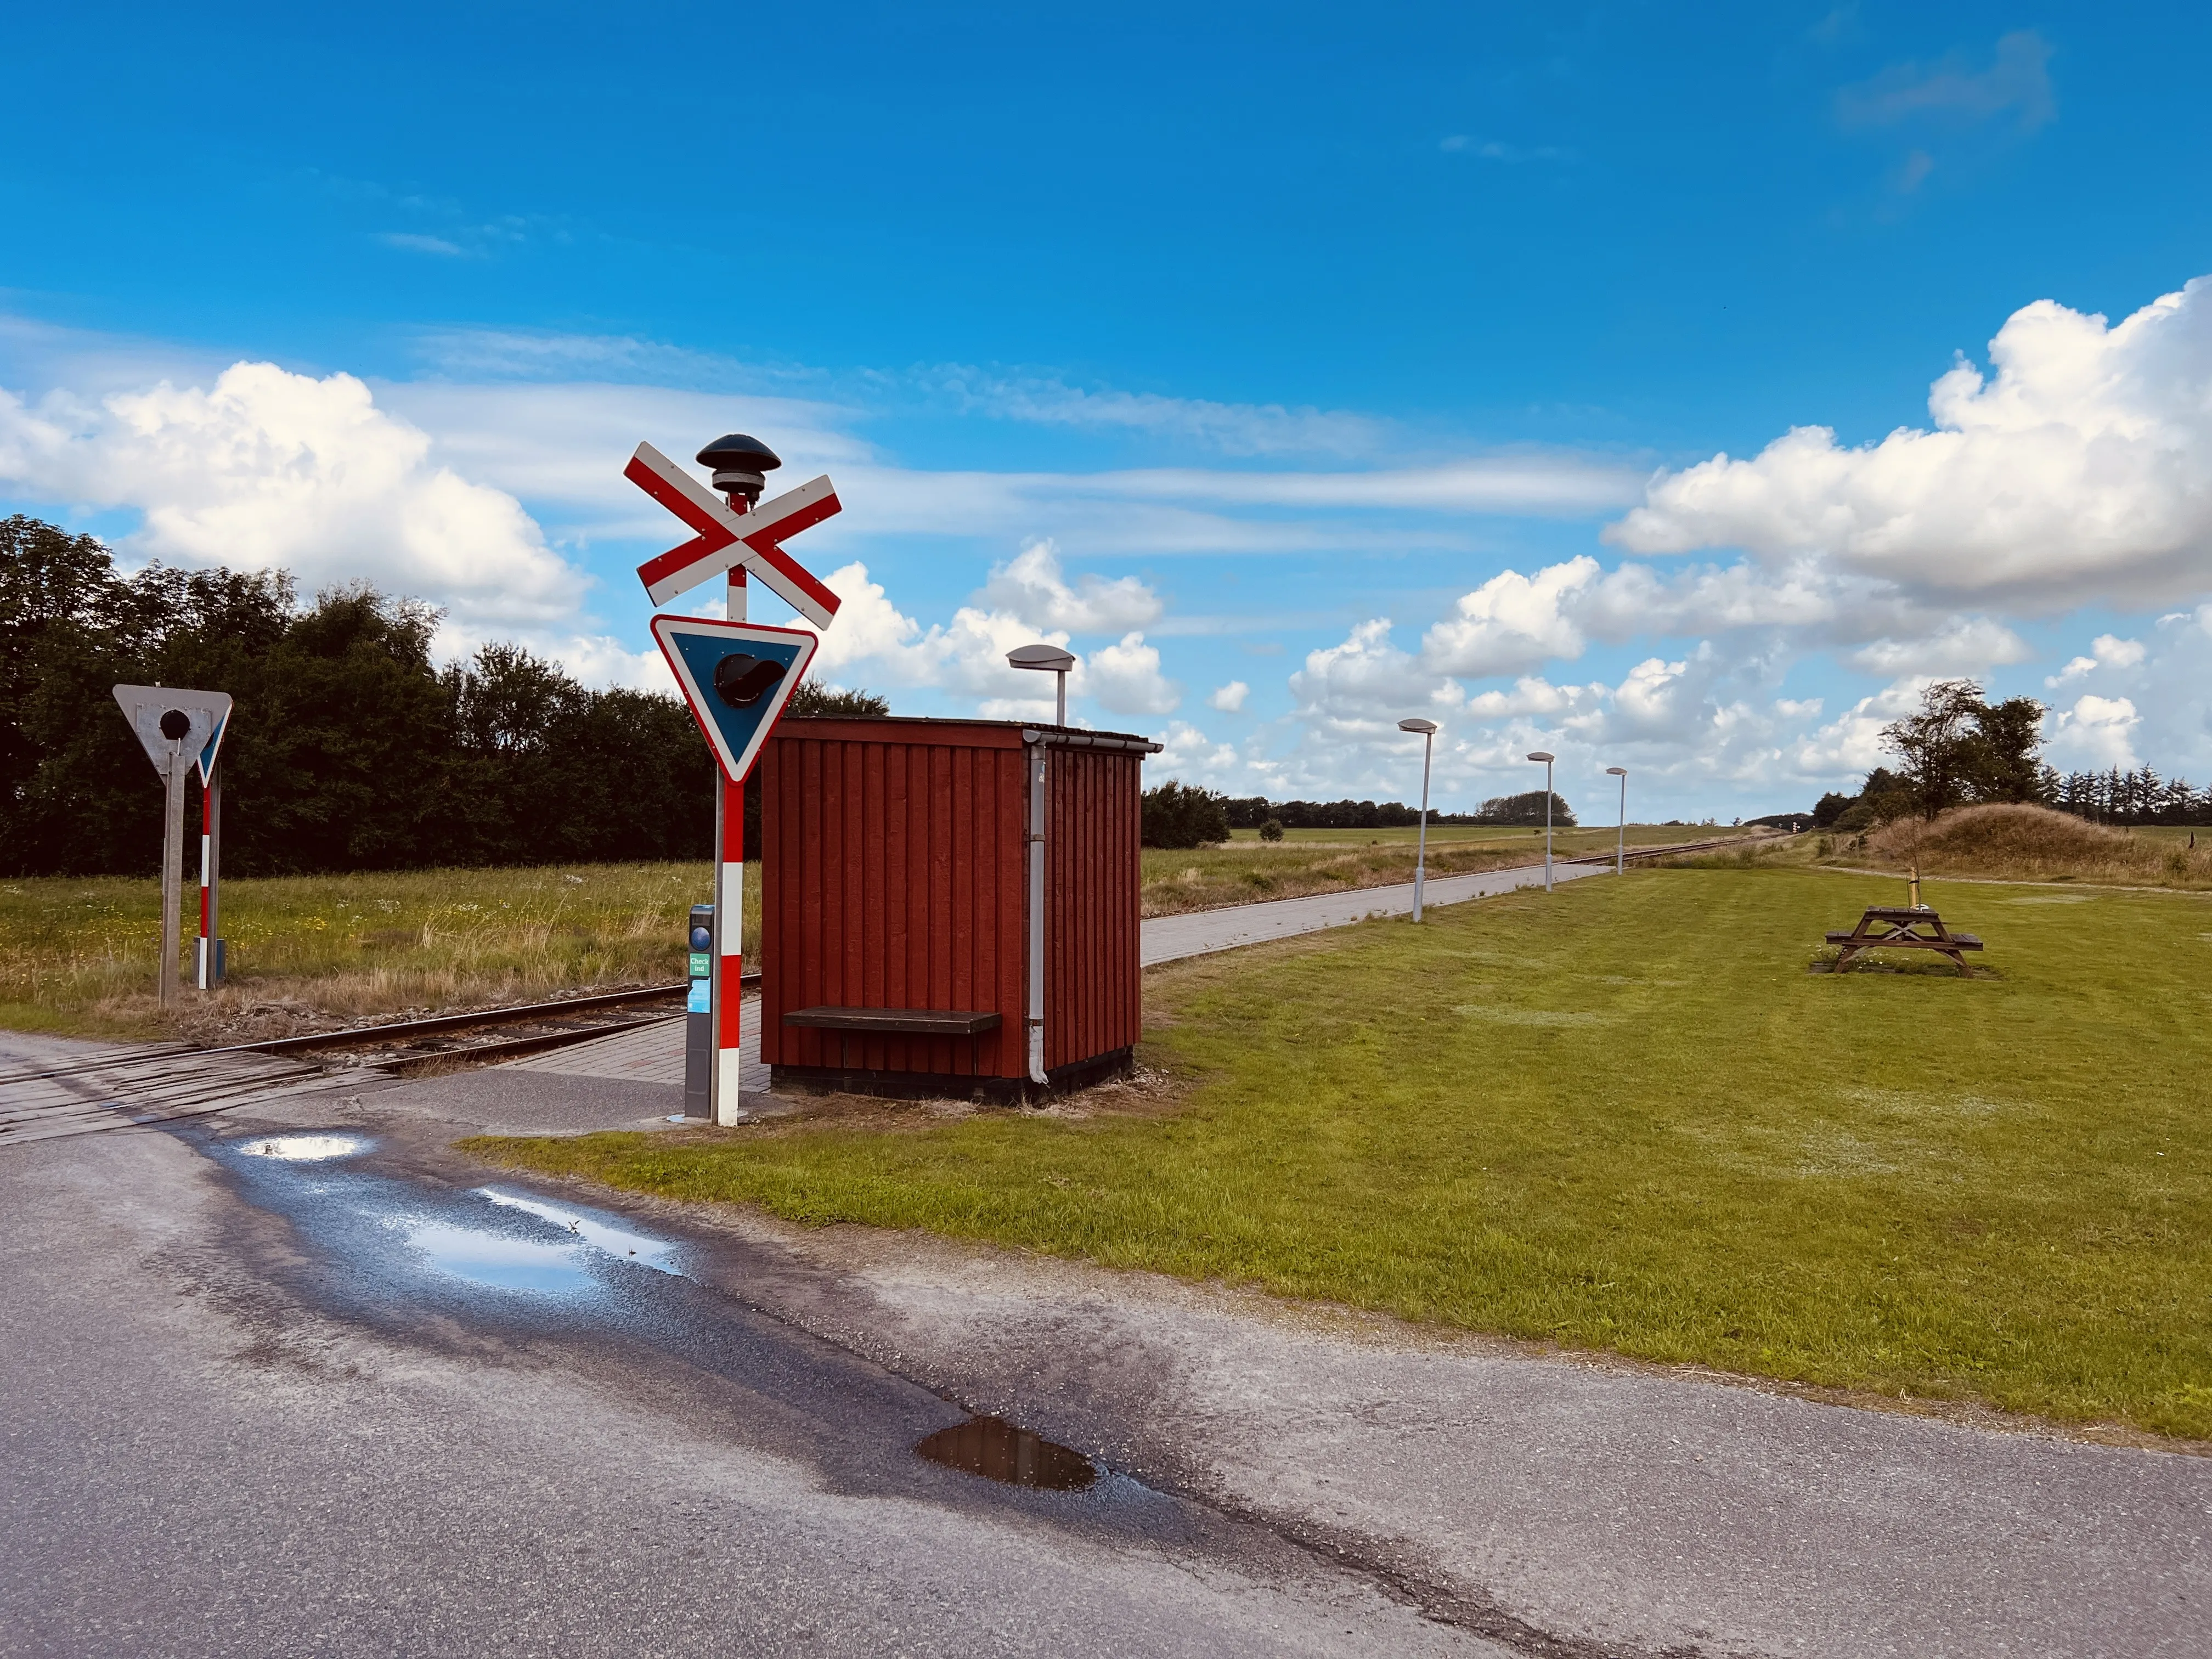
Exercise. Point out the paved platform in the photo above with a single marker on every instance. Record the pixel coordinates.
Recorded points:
(653, 1054)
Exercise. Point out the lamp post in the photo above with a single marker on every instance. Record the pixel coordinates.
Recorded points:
(1046, 660)
(1620, 850)
(1540, 755)
(1428, 731)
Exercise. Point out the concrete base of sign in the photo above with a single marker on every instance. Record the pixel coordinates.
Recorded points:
(948, 1085)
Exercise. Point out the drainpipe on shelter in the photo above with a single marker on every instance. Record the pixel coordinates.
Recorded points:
(1036, 741)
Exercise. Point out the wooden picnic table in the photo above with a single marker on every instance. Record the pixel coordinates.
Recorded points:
(1902, 927)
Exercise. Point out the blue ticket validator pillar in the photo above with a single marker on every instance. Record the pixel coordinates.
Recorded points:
(699, 1018)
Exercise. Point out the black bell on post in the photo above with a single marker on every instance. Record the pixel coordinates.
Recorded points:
(741, 464)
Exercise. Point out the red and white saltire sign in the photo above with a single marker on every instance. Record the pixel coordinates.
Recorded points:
(727, 539)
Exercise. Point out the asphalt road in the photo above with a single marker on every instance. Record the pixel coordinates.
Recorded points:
(358, 1404)
(263, 1407)
(1165, 938)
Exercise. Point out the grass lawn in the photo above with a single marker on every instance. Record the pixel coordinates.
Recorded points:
(1626, 1116)
(77, 955)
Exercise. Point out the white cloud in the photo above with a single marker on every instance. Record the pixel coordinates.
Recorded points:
(1852, 744)
(1230, 698)
(266, 468)
(1496, 150)
(1231, 428)
(873, 641)
(414, 243)
(1964, 646)
(2082, 471)
(2017, 83)
(1126, 679)
(2096, 734)
(1512, 623)
(2106, 651)
(1364, 681)
(1030, 586)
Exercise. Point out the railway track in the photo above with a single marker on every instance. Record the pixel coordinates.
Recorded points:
(157, 1082)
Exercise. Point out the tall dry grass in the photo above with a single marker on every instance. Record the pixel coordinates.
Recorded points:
(2033, 843)
(78, 955)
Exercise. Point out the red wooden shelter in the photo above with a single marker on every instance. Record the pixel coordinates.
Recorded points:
(949, 908)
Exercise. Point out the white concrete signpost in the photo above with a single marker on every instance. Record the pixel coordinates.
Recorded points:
(180, 729)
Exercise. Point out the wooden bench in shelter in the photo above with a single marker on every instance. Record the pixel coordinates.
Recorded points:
(1898, 927)
(890, 1021)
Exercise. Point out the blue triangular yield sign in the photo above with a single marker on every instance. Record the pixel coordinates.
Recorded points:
(736, 677)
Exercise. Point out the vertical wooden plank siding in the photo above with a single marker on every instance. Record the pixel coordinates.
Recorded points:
(894, 875)
(1093, 989)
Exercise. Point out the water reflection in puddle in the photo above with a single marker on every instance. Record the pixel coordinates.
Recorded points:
(654, 1252)
(997, 1450)
(511, 1261)
(494, 1259)
(303, 1149)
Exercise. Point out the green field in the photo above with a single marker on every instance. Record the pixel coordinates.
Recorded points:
(78, 956)
(1249, 870)
(1628, 1117)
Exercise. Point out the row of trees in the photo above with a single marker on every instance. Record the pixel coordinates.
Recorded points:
(1527, 809)
(350, 749)
(2137, 797)
(1957, 748)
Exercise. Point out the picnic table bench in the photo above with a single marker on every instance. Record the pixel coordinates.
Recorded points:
(1896, 927)
(892, 1021)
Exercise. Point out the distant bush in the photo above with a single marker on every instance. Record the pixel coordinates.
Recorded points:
(1176, 816)
(1272, 829)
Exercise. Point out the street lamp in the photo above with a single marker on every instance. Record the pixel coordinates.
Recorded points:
(1428, 731)
(1046, 660)
(1540, 755)
(1620, 852)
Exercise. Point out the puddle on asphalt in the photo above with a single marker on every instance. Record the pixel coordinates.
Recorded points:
(997, 1450)
(494, 1259)
(655, 1253)
(303, 1149)
(509, 1261)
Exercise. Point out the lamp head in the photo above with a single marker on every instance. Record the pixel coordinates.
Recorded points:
(1616, 771)
(1426, 728)
(1538, 755)
(740, 465)
(1047, 659)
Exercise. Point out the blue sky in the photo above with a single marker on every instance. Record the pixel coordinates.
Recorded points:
(1211, 339)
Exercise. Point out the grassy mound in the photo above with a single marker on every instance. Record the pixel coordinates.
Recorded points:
(2036, 843)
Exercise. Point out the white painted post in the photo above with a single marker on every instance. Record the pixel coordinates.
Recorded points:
(172, 871)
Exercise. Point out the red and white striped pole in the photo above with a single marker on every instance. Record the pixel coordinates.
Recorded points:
(730, 910)
(209, 974)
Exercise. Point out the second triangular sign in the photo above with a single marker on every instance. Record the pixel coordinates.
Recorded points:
(736, 677)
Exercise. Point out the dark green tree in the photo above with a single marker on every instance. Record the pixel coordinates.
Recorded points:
(1179, 816)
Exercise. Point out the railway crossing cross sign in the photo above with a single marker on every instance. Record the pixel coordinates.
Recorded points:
(728, 538)
(736, 677)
